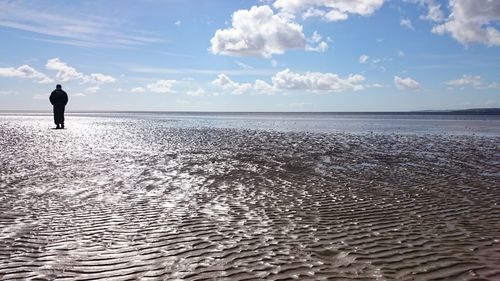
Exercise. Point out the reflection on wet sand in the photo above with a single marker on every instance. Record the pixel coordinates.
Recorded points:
(120, 199)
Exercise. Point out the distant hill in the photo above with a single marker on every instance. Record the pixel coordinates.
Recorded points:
(471, 111)
(478, 111)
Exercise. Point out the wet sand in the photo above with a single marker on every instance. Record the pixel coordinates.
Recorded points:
(139, 199)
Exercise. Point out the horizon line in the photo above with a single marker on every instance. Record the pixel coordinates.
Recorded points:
(485, 110)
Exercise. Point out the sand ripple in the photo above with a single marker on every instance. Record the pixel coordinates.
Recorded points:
(131, 199)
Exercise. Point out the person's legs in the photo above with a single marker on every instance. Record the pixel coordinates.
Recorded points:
(62, 117)
(56, 116)
(59, 116)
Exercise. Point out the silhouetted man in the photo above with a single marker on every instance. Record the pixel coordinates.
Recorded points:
(59, 99)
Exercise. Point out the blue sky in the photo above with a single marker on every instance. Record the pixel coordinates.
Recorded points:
(230, 55)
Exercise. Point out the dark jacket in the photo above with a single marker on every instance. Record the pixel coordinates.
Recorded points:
(58, 98)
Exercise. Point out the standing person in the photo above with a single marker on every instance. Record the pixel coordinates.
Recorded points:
(59, 99)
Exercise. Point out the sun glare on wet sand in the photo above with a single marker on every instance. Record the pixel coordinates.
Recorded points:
(169, 197)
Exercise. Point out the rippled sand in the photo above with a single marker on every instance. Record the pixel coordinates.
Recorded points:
(138, 199)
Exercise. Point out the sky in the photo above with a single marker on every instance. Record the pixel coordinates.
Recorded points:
(242, 55)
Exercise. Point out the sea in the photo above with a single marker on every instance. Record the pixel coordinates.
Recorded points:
(317, 122)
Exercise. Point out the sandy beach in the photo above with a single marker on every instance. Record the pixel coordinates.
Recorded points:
(141, 199)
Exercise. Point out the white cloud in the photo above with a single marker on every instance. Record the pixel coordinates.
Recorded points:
(316, 81)
(25, 71)
(330, 10)
(196, 93)
(335, 15)
(261, 86)
(313, 13)
(67, 73)
(229, 85)
(64, 72)
(235, 88)
(316, 37)
(434, 11)
(162, 86)
(474, 81)
(406, 23)
(99, 78)
(224, 82)
(258, 32)
(401, 53)
(138, 90)
(321, 47)
(93, 89)
(178, 23)
(465, 80)
(472, 21)
(374, 62)
(363, 59)
(315, 43)
(406, 83)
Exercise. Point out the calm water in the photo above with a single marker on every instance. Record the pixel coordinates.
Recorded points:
(400, 123)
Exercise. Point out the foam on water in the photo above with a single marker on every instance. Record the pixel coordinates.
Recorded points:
(119, 198)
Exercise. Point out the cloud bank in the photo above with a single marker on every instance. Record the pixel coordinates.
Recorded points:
(288, 80)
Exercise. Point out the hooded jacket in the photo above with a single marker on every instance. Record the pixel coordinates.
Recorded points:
(58, 98)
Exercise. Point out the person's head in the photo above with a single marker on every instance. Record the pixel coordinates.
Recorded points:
(58, 86)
